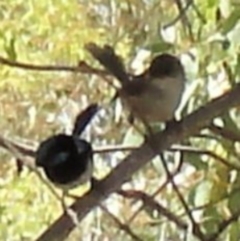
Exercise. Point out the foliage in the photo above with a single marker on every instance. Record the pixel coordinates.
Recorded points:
(36, 104)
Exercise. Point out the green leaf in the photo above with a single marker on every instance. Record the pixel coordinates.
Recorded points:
(159, 47)
(10, 48)
(203, 192)
(234, 196)
(234, 232)
(211, 219)
(196, 161)
(212, 3)
(231, 21)
(132, 137)
(233, 203)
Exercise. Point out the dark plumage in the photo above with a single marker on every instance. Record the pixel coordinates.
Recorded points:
(165, 65)
(67, 159)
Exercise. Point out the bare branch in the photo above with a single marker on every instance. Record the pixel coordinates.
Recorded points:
(151, 203)
(199, 151)
(223, 225)
(121, 225)
(184, 19)
(82, 67)
(182, 12)
(225, 133)
(195, 227)
(162, 186)
(30, 151)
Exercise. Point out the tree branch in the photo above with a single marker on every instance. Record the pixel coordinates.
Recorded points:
(188, 126)
(82, 67)
(148, 201)
(225, 133)
(223, 225)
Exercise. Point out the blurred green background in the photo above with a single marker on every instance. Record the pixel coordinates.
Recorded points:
(36, 104)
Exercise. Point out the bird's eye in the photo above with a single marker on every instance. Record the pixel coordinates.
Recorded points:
(59, 158)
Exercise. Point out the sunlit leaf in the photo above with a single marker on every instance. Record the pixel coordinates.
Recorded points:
(231, 21)
(10, 48)
(159, 47)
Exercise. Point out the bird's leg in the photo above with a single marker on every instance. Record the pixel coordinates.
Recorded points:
(149, 130)
(68, 210)
(95, 184)
(147, 127)
(131, 119)
(171, 123)
(97, 187)
(75, 197)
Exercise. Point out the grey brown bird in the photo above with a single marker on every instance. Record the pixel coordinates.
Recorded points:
(152, 96)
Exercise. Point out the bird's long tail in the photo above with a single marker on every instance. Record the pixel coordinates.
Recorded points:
(83, 118)
(108, 58)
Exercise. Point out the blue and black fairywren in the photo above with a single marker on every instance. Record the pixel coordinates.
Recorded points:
(67, 160)
(152, 96)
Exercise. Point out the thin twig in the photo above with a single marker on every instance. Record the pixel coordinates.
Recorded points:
(204, 206)
(225, 133)
(29, 151)
(185, 21)
(82, 67)
(121, 225)
(179, 16)
(164, 184)
(206, 136)
(199, 14)
(223, 225)
(195, 227)
(21, 148)
(30, 164)
(150, 202)
(199, 151)
(189, 125)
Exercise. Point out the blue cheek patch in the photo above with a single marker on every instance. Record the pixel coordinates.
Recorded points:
(61, 157)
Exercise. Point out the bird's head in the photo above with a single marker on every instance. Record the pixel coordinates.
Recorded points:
(56, 150)
(165, 65)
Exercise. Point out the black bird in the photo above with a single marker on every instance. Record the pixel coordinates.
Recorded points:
(152, 96)
(67, 160)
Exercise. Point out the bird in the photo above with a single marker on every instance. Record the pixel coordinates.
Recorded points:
(67, 160)
(152, 96)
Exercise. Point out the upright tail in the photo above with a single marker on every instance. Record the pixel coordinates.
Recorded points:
(108, 58)
(83, 118)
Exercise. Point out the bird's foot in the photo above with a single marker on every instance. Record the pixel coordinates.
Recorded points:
(95, 183)
(71, 213)
(97, 186)
(131, 119)
(171, 124)
(75, 197)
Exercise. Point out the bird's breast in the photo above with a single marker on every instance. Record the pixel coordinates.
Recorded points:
(70, 176)
(158, 100)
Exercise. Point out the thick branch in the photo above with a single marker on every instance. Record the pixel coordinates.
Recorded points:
(189, 125)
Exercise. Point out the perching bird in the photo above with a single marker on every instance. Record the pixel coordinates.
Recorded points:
(67, 159)
(152, 96)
